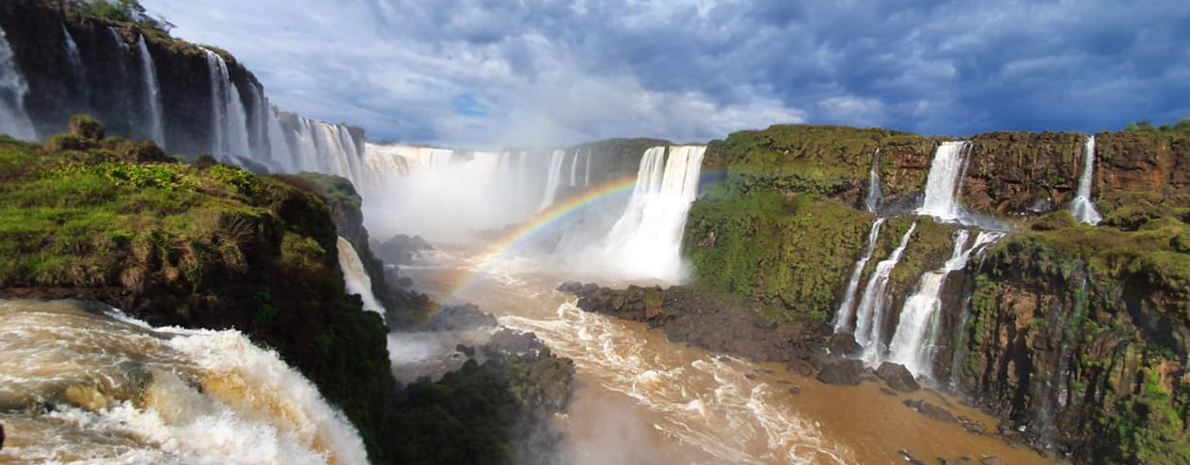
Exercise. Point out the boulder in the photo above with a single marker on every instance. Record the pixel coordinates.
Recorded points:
(844, 344)
(842, 372)
(931, 411)
(897, 376)
(570, 287)
(992, 461)
(459, 318)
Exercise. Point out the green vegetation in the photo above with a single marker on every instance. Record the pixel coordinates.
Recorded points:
(122, 11)
(1182, 126)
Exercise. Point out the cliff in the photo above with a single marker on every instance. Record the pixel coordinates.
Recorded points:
(1075, 336)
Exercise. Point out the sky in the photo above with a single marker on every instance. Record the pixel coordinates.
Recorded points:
(486, 73)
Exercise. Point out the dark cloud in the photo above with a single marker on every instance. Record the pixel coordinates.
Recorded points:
(478, 72)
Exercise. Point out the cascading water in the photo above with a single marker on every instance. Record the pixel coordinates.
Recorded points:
(557, 159)
(945, 181)
(846, 309)
(79, 386)
(229, 122)
(587, 171)
(77, 70)
(646, 241)
(1082, 207)
(872, 202)
(14, 121)
(278, 144)
(574, 169)
(912, 343)
(152, 94)
(871, 307)
(357, 279)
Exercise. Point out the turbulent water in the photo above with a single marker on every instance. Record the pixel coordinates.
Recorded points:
(1082, 207)
(14, 121)
(945, 181)
(356, 277)
(644, 400)
(83, 385)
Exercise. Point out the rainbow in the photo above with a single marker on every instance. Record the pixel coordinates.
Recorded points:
(542, 222)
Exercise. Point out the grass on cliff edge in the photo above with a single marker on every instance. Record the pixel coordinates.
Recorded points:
(71, 211)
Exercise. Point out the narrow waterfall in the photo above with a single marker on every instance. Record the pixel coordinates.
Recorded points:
(357, 279)
(14, 121)
(847, 308)
(873, 200)
(587, 171)
(229, 123)
(557, 159)
(152, 94)
(1082, 207)
(122, 392)
(871, 306)
(574, 168)
(646, 240)
(77, 70)
(945, 181)
(258, 126)
(913, 342)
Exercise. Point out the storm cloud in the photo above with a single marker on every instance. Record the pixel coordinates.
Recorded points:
(491, 72)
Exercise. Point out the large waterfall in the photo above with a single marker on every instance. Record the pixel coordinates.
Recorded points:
(870, 314)
(945, 181)
(78, 72)
(356, 277)
(912, 343)
(846, 309)
(83, 387)
(1082, 207)
(646, 241)
(14, 121)
(152, 94)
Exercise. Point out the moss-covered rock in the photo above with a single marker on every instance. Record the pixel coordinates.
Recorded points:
(210, 248)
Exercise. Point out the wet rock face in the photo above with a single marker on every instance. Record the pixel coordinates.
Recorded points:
(400, 248)
(110, 87)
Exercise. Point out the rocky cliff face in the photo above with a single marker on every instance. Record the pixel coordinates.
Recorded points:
(1075, 336)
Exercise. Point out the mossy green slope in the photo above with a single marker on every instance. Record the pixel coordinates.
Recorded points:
(117, 221)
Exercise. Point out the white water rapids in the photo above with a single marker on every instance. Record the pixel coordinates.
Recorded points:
(78, 386)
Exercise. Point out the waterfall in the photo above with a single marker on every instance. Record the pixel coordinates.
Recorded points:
(1082, 207)
(152, 94)
(913, 342)
(77, 70)
(229, 123)
(278, 144)
(871, 306)
(14, 121)
(873, 200)
(646, 240)
(258, 125)
(574, 168)
(587, 171)
(109, 389)
(843, 316)
(357, 279)
(945, 181)
(557, 159)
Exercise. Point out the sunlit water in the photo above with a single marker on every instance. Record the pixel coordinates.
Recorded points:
(646, 400)
(84, 387)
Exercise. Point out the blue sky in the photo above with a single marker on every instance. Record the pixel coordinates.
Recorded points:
(475, 73)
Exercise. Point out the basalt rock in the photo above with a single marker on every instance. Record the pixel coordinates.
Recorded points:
(897, 377)
(465, 317)
(846, 372)
(931, 411)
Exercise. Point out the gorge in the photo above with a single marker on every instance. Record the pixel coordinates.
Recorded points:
(801, 294)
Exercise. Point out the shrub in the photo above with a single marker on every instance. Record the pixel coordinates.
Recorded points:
(85, 126)
(1061, 219)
